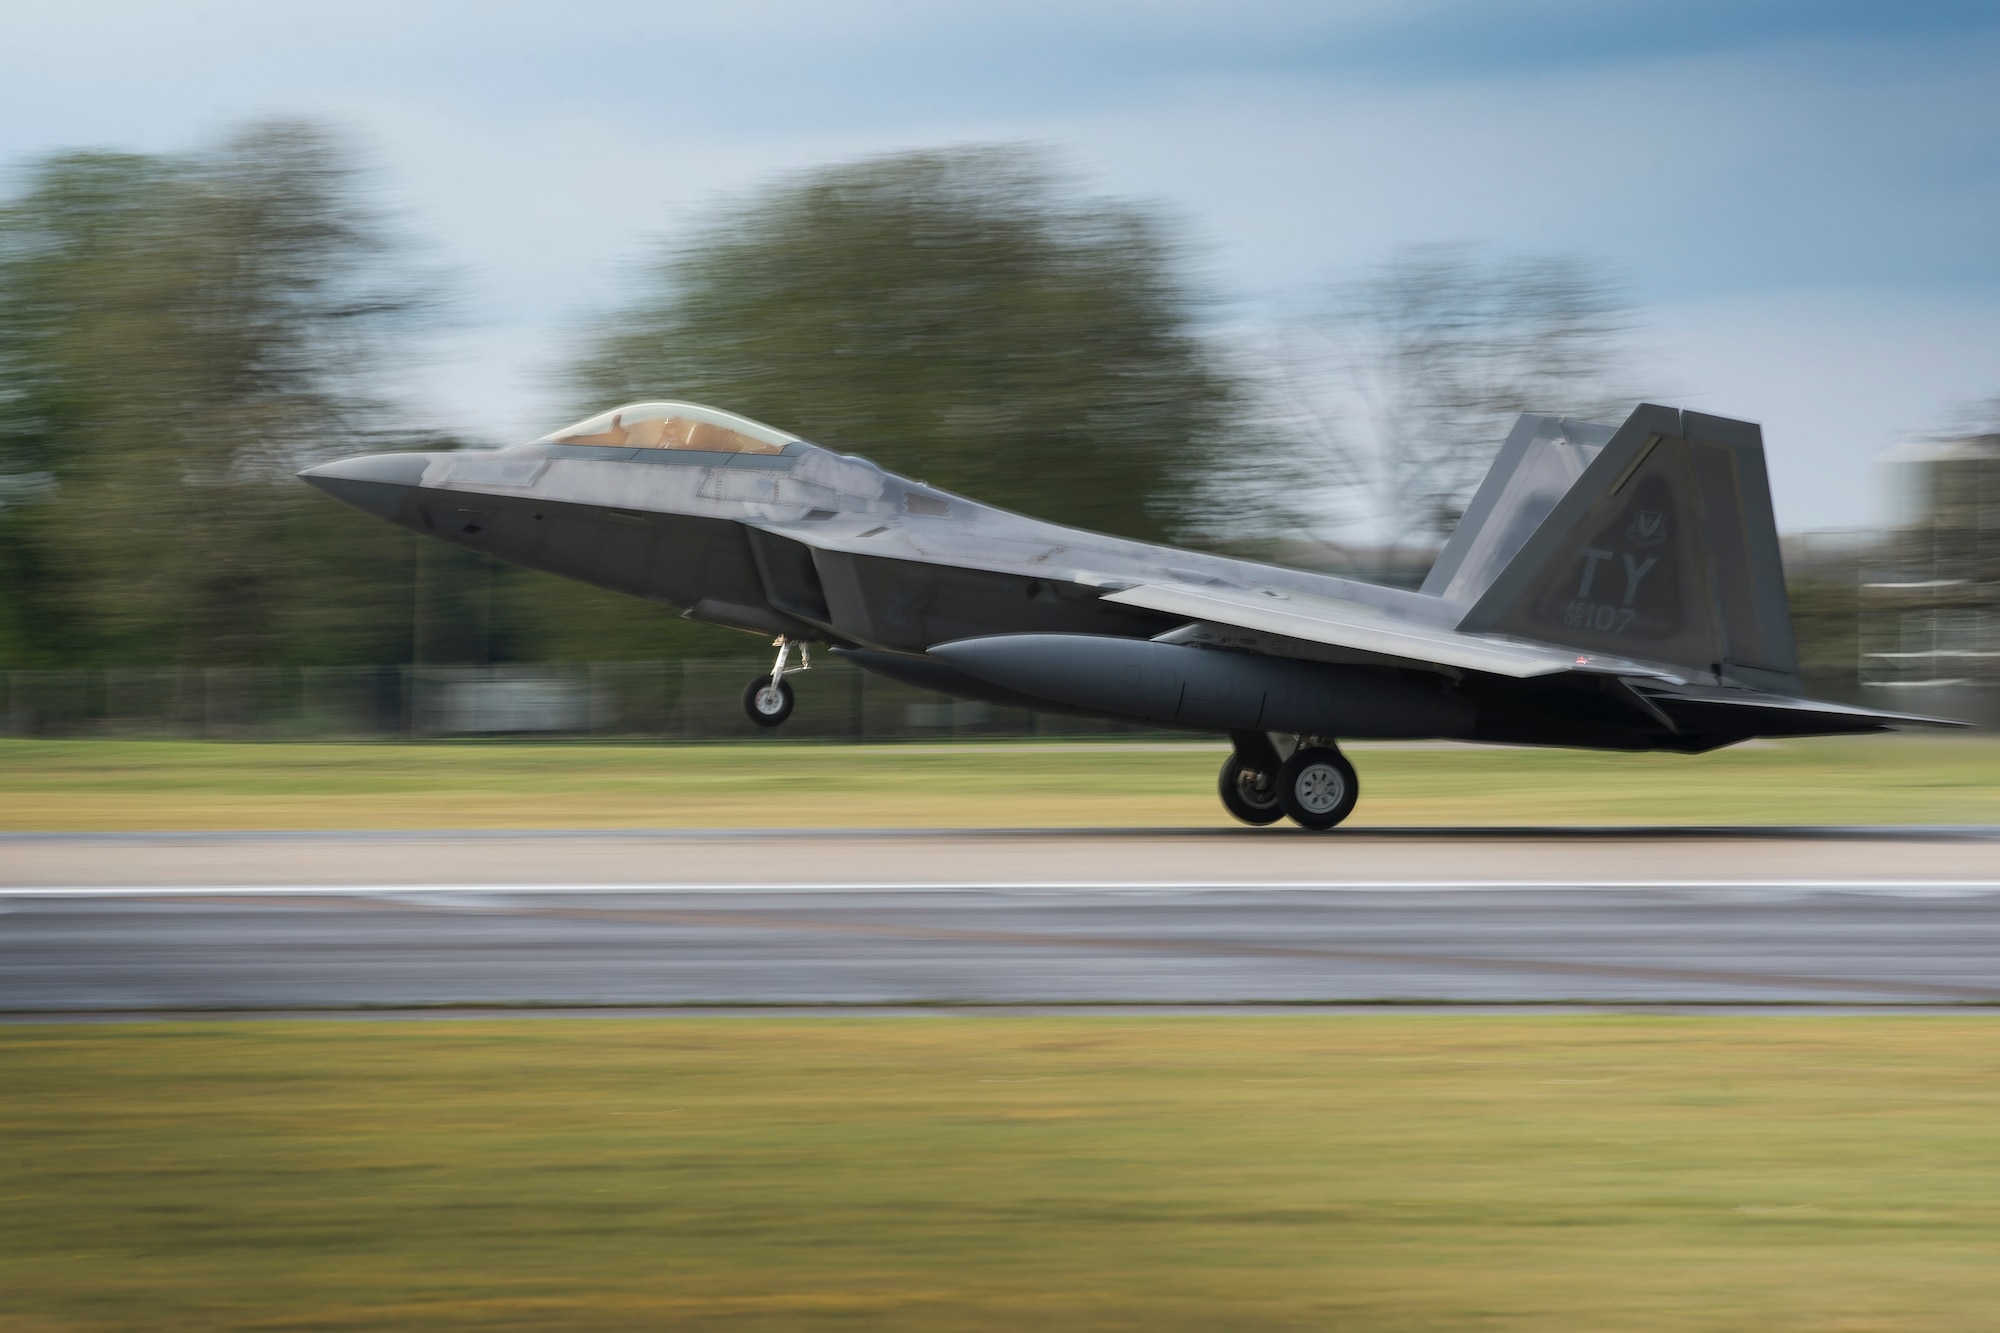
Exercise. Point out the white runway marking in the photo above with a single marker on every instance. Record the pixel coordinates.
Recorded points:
(1885, 887)
(382, 936)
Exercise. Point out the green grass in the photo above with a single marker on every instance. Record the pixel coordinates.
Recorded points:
(1372, 1172)
(193, 785)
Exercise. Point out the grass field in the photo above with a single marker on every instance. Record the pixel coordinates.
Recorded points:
(173, 785)
(1360, 1172)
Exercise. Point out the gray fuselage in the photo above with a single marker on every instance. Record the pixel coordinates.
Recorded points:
(813, 545)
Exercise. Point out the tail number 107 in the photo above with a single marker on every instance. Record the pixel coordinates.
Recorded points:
(1598, 615)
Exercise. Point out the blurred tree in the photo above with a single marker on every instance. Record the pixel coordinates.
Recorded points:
(177, 336)
(1826, 626)
(1400, 390)
(963, 316)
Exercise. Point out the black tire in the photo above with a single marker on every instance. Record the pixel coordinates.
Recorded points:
(1249, 794)
(1317, 788)
(760, 708)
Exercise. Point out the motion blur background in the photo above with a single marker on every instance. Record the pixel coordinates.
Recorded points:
(782, 1035)
(1270, 279)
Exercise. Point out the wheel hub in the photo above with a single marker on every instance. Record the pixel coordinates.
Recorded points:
(1320, 788)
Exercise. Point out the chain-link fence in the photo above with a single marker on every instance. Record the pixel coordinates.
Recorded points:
(692, 700)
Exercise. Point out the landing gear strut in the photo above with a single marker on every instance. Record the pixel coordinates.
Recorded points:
(768, 700)
(1314, 786)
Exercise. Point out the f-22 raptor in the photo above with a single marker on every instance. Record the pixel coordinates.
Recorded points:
(1608, 588)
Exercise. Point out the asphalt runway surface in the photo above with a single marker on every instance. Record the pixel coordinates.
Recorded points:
(387, 922)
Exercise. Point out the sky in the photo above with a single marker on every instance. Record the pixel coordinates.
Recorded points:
(1803, 196)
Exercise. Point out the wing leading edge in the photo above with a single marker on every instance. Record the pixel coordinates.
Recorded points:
(1296, 616)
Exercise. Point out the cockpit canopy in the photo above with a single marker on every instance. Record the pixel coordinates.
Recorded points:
(674, 426)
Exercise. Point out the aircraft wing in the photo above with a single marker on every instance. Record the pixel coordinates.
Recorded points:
(1350, 625)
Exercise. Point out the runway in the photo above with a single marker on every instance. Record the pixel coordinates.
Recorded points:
(331, 922)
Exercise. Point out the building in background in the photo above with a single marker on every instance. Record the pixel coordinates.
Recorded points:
(1930, 606)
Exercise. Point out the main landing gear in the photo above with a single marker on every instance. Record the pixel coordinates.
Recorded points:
(768, 700)
(1314, 786)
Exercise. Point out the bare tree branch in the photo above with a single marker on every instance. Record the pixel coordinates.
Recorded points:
(1398, 391)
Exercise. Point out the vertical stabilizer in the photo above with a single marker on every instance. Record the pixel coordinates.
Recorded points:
(1665, 549)
(1541, 460)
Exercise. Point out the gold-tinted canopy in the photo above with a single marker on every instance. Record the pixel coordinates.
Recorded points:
(674, 426)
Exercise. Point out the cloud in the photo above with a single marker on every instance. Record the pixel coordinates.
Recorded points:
(1835, 376)
(1763, 173)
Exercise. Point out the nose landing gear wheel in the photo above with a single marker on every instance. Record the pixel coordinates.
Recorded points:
(767, 702)
(1317, 787)
(1250, 794)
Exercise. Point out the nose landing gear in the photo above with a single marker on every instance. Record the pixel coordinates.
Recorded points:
(1315, 787)
(768, 700)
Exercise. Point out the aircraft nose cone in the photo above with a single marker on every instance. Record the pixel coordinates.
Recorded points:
(373, 483)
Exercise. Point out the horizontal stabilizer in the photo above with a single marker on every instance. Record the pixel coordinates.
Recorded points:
(1711, 710)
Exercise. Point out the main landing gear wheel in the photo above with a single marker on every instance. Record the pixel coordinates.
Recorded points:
(767, 702)
(1317, 787)
(1249, 793)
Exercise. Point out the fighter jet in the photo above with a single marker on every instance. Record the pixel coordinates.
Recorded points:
(1608, 588)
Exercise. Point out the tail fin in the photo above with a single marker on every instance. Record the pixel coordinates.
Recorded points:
(1541, 460)
(1664, 549)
